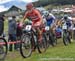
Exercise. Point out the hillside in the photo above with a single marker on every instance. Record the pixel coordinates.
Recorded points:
(54, 2)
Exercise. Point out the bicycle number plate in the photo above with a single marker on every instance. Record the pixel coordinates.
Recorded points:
(28, 27)
(64, 27)
(73, 28)
(47, 28)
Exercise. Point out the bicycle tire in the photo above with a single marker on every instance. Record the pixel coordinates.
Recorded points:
(6, 49)
(21, 46)
(65, 40)
(53, 40)
(43, 44)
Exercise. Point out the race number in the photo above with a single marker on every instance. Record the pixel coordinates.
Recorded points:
(73, 28)
(47, 28)
(28, 27)
(64, 27)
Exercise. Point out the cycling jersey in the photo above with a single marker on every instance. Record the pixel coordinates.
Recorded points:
(68, 22)
(35, 16)
(50, 20)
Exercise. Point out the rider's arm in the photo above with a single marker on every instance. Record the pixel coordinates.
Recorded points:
(71, 19)
(25, 16)
(62, 20)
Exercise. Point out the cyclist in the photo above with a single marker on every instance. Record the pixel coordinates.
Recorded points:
(67, 21)
(50, 21)
(35, 16)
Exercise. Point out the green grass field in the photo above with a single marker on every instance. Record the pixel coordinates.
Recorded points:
(57, 53)
(60, 51)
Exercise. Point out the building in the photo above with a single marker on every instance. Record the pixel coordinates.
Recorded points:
(13, 11)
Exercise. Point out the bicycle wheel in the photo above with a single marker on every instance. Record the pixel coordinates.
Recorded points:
(26, 46)
(47, 39)
(43, 45)
(73, 34)
(65, 39)
(69, 37)
(3, 48)
(53, 39)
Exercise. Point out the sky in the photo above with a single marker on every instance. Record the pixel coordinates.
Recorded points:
(5, 1)
(2, 8)
(6, 4)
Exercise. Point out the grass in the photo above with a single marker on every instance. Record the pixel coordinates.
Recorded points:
(55, 53)
(60, 51)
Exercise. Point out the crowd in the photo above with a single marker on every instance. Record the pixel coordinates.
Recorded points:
(14, 31)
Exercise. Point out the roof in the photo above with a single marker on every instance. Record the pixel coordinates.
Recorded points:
(14, 7)
(2, 9)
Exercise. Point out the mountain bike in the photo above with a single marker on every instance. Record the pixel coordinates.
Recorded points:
(66, 35)
(30, 41)
(51, 38)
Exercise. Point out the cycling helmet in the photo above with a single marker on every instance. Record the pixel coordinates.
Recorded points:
(46, 13)
(65, 17)
(29, 6)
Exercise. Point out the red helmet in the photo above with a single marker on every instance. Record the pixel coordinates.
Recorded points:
(29, 6)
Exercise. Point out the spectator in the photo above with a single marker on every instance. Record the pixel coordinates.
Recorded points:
(18, 34)
(19, 30)
(1, 24)
(12, 31)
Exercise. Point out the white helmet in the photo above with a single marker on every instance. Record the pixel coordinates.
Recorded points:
(45, 13)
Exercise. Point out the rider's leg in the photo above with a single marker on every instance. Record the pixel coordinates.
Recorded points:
(70, 31)
(38, 26)
(39, 34)
(53, 28)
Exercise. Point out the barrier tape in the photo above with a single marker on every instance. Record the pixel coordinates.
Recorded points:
(1, 43)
